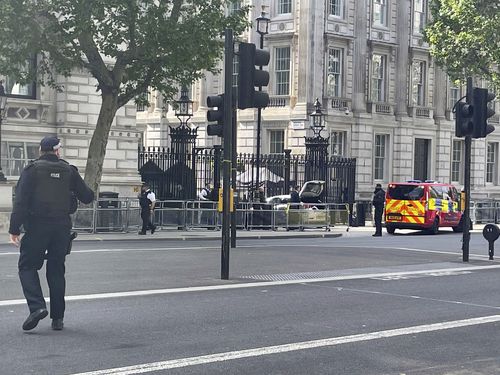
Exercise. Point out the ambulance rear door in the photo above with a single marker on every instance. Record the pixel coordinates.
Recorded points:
(405, 203)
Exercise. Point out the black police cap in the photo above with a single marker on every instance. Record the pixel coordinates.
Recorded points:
(50, 143)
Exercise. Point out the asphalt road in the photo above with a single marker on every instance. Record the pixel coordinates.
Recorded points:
(403, 304)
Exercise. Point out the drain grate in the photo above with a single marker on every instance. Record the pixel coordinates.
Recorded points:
(349, 272)
(293, 276)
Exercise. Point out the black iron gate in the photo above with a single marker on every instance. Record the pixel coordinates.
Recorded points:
(170, 179)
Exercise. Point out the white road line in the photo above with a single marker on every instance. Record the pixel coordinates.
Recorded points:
(457, 253)
(259, 284)
(277, 349)
(161, 249)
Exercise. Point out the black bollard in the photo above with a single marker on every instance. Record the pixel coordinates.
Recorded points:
(491, 232)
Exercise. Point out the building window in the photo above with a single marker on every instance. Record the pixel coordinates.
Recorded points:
(454, 96)
(141, 102)
(419, 16)
(15, 89)
(335, 8)
(236, 66)
(234, 6)
(284, 6)
(334, 75)
(418, 87)
(282, 71)
(456, 160)
(276, 141)
(338, 143)
(380, 12)
(381, 141)
(491, 162)
(378, 78)
(16, 155)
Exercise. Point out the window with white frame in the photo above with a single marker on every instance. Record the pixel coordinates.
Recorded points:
(418, 87)
(236, 64)
(378, 78)
(14, 89)
(284, 6)
(491, 162)
(335, 69)
(457, 152)
(419, 16)
(234, 6)
(380, 12)
(335, 8)
(17, 155)
(276, 141)
(282, 70)
(454, 95)
(338, 143)
(380, 155)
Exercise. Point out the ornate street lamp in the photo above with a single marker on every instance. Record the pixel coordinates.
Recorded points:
(3, 114)
(184, 110)
(263, 29)
(262, 25)
(316, 147)
(317, 119)
(183, 140)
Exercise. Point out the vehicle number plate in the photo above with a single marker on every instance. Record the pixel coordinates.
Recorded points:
(394, 217)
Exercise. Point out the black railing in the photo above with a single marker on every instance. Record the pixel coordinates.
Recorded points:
(175, 176)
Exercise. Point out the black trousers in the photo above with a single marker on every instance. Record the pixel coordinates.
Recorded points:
(40, 238)
(379, 211)
(146, 220)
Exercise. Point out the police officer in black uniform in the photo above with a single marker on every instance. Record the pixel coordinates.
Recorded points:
(378, 202)
(43, 205)
(147, 201)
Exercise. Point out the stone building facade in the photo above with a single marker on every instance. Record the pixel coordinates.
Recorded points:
(386, 102)
(35, 111)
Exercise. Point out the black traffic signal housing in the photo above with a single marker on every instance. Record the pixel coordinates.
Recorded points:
(249, 77)
(463, 119)
(482, 112)
(215, 115)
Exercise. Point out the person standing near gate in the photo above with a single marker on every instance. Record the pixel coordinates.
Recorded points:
(43, 206)
(378, 202)
(147, 202)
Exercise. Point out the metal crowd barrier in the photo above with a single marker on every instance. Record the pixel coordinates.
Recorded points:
(486, 211)
(124, 215)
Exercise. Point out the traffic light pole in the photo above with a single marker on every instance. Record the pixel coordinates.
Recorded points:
(259, 122)
(226, 163)
(466, 214)
(233, 173)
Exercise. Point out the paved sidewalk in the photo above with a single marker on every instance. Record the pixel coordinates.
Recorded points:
(204, 235)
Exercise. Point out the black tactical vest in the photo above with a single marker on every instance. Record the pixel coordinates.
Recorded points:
(52, 189)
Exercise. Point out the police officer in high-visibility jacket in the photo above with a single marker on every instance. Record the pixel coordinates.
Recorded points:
(43, 206)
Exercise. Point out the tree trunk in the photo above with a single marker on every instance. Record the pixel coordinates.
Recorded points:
(97, 148)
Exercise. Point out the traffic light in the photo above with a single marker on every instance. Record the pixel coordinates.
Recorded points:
(463, 119)
(249, 77)
(215, 115)
(482, 112)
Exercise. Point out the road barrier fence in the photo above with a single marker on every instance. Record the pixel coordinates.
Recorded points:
(123, 215)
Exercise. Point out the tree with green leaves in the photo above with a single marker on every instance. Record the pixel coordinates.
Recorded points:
(158, 44)
(465, 38)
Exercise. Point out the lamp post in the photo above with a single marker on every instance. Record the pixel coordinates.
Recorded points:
(181, 138)
(263, 29)
(316, 146)
(184, 110)
(3, 112)
(317, 119)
